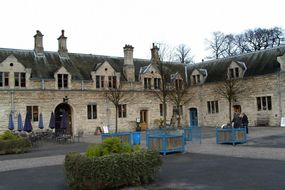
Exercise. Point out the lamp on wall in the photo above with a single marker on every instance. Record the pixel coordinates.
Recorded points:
(65, 99)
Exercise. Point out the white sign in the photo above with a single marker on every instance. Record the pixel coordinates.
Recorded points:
(105, 129)
(282, 121)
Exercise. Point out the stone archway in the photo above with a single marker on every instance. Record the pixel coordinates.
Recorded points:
(58, 115)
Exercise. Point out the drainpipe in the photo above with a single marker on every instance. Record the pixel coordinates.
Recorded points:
(279, 92)
(186, 74)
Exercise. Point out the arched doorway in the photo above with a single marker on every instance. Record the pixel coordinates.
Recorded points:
(193, 113)
(59, 110)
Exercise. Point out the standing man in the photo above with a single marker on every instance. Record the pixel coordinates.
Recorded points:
(245, 122)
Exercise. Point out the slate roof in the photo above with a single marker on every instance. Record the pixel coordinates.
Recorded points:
(81, 65)
(257, 63)
(78, 65)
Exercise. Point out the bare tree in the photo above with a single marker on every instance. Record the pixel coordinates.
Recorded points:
(231, 89)
(178, 95)
(183, 54)
(216, 45)
(224, 45)
(116, 96)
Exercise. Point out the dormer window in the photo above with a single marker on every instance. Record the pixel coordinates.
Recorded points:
(234, 73)
(100, 80)
(112, 81)
(157, 83)
(20, 79)
(147, 83)
(4, 79)
(62, 81)
(196, 79)
(178, 84)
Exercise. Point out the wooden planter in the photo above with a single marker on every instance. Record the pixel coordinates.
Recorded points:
(125, 137)
(165, 143)
(231, 135)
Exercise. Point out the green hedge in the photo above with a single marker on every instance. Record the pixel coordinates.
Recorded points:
(111, 171)
(14, 146)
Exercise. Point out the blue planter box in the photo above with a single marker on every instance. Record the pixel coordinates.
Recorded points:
(231, 135)
(165, 141)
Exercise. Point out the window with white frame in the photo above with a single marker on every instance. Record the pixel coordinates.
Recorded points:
(4, 79)
(122, 110)
(20, 79)
(34, 112)
(100, 81)
(213, 107)
(62, 81)
(264, 103)
(92, 111)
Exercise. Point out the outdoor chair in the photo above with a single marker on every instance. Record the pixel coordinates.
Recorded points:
(79, 135)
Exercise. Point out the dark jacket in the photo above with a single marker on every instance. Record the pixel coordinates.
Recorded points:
(244, 120)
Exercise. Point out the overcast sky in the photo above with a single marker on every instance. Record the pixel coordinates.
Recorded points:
(103, 27)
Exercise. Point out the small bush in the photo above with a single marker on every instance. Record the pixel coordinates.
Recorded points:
(8, 135)
(94, 150)
(109, 146)
(111, 171)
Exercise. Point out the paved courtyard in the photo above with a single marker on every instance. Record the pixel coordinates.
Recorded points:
(258, 164)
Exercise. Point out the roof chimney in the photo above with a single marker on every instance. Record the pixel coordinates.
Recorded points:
(128, 55)
(154, 54)
(39, 49)
(62, 49)
(129, 69)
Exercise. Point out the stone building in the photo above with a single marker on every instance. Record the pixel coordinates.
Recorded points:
(39, 81)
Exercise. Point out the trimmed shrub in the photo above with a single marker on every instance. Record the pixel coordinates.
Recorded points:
(111, 171)
(14, 146)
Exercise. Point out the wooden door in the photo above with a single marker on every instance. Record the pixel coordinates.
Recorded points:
(144, 120)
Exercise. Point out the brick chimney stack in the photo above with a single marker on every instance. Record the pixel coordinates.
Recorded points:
(154, 54)
(38, 48)
(62, 48)
(128, 68)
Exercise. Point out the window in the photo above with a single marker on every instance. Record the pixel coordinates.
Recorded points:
(34, 112)
(213, 107)
(180, 109)
(92, 111)
(62, 81)
(156, 83)
(178, 84)
(147, 83)
(112, 82)
(237, 72)
(234, 73)
(263, 103)
(161, 109)
(196, 79)
(20, 79)
(4, 79)
(100, 81)
(122, 110)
